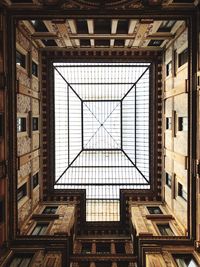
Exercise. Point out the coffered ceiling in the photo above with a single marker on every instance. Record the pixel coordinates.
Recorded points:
(97, 33)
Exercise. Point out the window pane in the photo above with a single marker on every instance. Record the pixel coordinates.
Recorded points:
(154, 210)
(50, 210)
(20, 59)
(165, 229)
(21, 192)
(185, 260)
(21, 125)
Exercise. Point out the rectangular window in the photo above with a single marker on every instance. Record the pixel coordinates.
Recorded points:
(21, 192)
(168, 123)
(154, 210)
(86, 248)
(181, 192)
(169, 68)
(21, 125)
(40, 229)
(182, 123)
(165, 229)
(185, 260)
(21, 260)
(34, 69)
(168, 180)
(102, 248)
(155, 43)
(183, 57)
(35, 124)
(166, 26)
(35, 180)
(50, 210)
(20, 59)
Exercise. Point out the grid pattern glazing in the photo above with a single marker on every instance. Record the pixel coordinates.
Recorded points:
(101, 130)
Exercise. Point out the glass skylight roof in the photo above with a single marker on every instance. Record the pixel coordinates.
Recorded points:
(101, 130)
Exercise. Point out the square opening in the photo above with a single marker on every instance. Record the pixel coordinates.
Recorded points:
(101, 114)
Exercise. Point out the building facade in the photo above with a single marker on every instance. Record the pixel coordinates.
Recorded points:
(99, 133)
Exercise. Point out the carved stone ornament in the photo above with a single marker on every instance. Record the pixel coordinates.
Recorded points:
(102, 4)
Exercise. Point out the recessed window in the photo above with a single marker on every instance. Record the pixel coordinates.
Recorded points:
(169, 68)
(35, 179)
(103, 248)
(168, 123)
(34, 69)
(50, 210)
(155, 43)
(39, 26)
(154, 210)
(181, 192)
(168, 179)
(49, 42)
(86, 248)
(21, 192)
(21, 125)
(40, 229)
(166, 26)
(182, 123)
(185, 260)
(20, 59)
(165, 229)
(21, 260)
(183, 57)
(35, 124)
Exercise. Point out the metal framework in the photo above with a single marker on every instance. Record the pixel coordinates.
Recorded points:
(101, 128)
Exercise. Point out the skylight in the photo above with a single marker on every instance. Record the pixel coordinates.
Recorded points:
(101, 131)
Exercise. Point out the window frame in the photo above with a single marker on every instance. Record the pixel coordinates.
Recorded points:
(40, 224)
(21, 255)
(24, 194)
(150, 207)
(165, 223)
(182, 256)
(50, 207)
